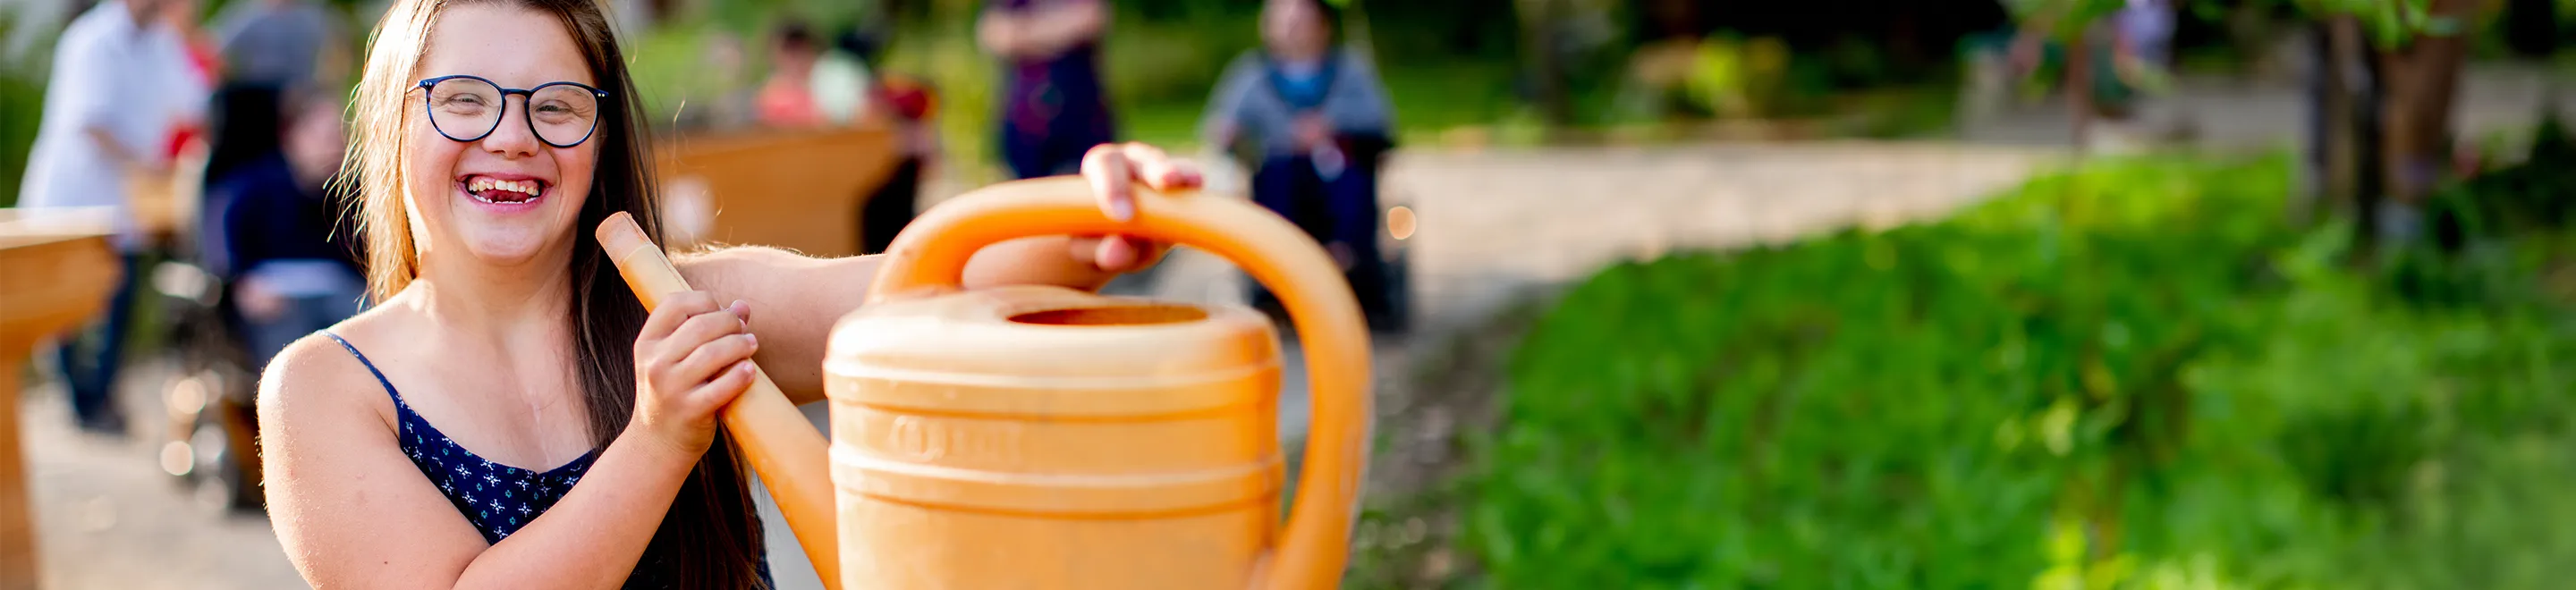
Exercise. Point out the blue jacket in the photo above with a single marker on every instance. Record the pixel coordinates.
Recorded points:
(1259, 102)
(267, 216)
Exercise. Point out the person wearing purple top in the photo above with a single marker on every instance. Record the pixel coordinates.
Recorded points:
(1053, 105)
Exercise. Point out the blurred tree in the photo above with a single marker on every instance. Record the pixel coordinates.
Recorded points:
(2389, 73)
(2069, 24)
(1539, 21)
(2391, 127)
(1565, 45)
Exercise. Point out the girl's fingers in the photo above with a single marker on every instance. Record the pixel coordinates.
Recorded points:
(713, 357)
(1157, 169)
(701, 330)
(1084, 249)
(1111, 175)
(735, 379)
(1116, 254)
(1113, 170)
(675, 309)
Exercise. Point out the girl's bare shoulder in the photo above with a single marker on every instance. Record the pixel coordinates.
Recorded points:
(320, 377)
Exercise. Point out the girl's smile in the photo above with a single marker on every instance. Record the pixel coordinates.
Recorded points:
(504, 193)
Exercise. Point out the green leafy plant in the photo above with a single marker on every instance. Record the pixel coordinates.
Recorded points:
(2135, 374)
(22, 100)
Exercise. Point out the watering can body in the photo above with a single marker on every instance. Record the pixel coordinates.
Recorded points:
(1037, 437)
(1042, 437)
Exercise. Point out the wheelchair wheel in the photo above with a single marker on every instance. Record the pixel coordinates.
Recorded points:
(1398, 288)
(213, 452)
(210, 449)
(215, 475)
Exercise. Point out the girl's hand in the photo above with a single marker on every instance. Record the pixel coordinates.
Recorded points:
(691, 360)
(1113, 170)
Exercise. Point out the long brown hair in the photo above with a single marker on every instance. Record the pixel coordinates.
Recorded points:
(711, 537)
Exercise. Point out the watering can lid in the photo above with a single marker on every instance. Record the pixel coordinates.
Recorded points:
(1049, 338)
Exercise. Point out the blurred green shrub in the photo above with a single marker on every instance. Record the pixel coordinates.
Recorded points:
(22, 103)
(2538, 192)
(2135, 374)
(1739, 78)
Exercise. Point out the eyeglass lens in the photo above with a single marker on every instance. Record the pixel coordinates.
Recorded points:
(466, 109)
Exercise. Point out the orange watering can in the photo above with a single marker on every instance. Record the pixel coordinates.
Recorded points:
(1042, 437)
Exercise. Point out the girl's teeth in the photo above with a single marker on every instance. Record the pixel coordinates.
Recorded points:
(525, 187)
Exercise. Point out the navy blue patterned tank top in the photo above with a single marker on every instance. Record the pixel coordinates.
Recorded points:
(498, 499)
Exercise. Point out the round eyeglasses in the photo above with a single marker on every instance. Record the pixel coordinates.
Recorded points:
(468, 108)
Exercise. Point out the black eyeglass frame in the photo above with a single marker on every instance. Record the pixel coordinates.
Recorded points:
(526, 94)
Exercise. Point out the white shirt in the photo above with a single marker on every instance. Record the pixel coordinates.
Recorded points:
(114, 74)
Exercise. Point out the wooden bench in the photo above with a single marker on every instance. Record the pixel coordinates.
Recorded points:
(795, 189)
(56, 268)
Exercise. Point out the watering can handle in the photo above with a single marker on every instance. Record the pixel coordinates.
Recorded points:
(781, 446)
(930, 257)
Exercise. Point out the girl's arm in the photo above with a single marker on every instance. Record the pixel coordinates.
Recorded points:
(799, 298)
(354, 512)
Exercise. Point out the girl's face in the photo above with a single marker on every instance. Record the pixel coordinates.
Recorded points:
(507, 198)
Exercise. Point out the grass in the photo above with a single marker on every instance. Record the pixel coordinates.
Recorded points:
(2132, 374)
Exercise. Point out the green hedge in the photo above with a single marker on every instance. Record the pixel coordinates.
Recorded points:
(2130, 375)
(22, 103)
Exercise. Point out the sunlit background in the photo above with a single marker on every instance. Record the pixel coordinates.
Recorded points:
(1710, 293)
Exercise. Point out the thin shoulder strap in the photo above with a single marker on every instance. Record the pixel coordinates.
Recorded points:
(371, 365)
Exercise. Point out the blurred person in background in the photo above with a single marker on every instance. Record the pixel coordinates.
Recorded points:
(118, 91)
(1311, 120)
(907, 103)
(811, 85)
(2142, 60)
(280, 44)
(2130, 53)
(731, 103)
(270, 48)
(198, 65)
(294, 267)
(1053, 105)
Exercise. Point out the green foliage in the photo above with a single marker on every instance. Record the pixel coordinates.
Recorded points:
(22, 100)
(1738, 78)
(2537, 193)
(2388, 23)
(2062, 18)
(2132, 375)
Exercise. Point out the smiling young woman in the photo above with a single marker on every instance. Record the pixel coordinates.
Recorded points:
(518, 420)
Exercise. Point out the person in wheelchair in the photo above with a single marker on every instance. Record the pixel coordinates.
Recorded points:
(289, 266)
(1311, 121)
